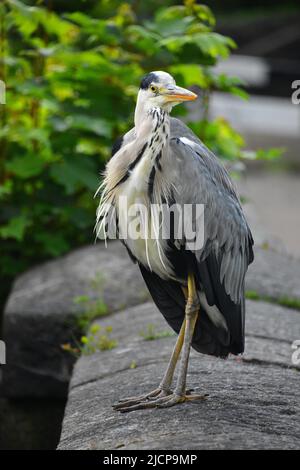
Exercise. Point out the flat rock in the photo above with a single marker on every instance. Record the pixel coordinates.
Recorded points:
(40, 315)
(50, 288)
(253, 401)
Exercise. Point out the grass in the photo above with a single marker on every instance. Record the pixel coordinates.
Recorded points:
(151, 333)
(252, 295)
(97, 338)
(289, 302)
(133, 365)
(284, 301)
(92, 308)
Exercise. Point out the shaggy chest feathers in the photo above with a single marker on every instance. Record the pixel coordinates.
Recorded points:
(139, 193)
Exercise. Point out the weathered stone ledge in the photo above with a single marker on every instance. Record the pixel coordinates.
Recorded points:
(252, 404)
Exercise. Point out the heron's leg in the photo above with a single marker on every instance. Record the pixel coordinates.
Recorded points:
(179, 395)
(166, 382)
(191, 316)
(169, 374)
(167, 379)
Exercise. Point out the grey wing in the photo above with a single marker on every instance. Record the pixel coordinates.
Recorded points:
(223, 259)
(226, 232)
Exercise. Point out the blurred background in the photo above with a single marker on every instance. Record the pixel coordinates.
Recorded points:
(71, 72)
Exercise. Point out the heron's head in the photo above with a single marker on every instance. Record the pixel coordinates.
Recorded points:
(158, 89)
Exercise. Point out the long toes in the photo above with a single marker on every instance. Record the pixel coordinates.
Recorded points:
(175, 399)
(164, 400)
(196, 397)
(138, 406)
(142, 405)
(125, 402)
(136, 401)
(161, 394)
(154, 393)
(137, 398)
(131, 399)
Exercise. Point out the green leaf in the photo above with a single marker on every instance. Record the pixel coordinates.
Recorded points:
(229, 84)
(103, 30)
(88, 147)
(214, 44)
(97, 126)
(191, 74)
(54, 244)
(204, 13)
(174, 43)
(142, 39)
(26, 166)
(15, 228)
(29, 18)
(75, 173)
(6, 188)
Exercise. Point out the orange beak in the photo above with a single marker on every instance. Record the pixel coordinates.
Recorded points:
(178, 94)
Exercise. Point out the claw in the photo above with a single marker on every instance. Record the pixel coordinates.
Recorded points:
(128, 402)
(160, 402)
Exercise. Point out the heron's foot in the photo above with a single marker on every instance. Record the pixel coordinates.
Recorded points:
(131, 401)
(158, 402)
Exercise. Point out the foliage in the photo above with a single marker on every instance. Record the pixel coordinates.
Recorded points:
(284, 301)
(91, 307)
(133, 365)
(151, 333)
(252, 295)
(289, 302)
(98, 338)
(71, 83)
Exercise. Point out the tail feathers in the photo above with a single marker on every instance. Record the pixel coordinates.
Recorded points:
(169, 299)
(234, 314)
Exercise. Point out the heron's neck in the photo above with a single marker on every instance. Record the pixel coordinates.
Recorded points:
(143, 109)
(158, 131)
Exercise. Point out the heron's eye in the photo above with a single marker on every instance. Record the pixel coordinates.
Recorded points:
(153, 88)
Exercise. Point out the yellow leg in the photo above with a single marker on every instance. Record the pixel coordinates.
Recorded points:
(165, 385)
(168, 377)
(191, 315)
(162, 397)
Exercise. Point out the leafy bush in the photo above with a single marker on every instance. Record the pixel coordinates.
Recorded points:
(72, 79)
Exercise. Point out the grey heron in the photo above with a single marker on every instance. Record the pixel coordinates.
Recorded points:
(198, 289)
